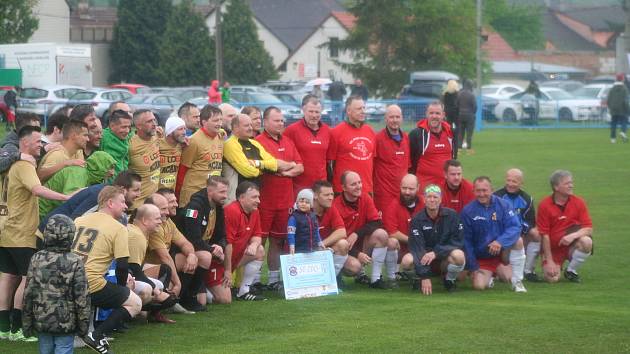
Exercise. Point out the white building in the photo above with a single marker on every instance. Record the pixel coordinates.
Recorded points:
(54, 22)
(295, 33)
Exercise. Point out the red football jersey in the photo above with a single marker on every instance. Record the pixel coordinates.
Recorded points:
(239, 229)
(312, 147)
(274, 191)
(457, 199)
(391, 163)
(329, 222)
(358, 215)
(431, 164)
(397, 217)
(352, 149)
(554, 220)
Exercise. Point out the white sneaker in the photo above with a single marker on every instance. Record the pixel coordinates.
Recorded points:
(177, 308)
(613, 140)
(518, 287)
(623, 136)
(464, 145)
(491, 283)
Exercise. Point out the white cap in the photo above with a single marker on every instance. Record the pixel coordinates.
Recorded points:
(172, 124)
(305, 194)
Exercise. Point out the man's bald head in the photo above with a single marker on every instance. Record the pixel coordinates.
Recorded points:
(161, 203)
(409, 188)
(242, 126)
(229, 112)
(513, 180)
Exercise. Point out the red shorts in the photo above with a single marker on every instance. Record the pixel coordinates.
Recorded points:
(274, 222)
(490, 264)
(214, 276)
(560, 255)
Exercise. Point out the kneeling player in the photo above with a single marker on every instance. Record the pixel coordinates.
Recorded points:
(243, 235)
(205, 228)
(566, 229)
(398, 215)
(436, 240)
(100, 239)
(492, 237)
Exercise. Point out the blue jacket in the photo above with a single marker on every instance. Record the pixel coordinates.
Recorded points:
(303, 231)
(77, 205)
(482, 225)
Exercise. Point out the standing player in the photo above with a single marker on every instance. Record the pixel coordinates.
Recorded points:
(244, 244)
(276, 197)
(566, 229)
(436, 240)
(311, 138)
(171, 151)
(523, 206)
(203, 157)
(75, 136)
(190, 114)
(365, 234)
(492, 236)
(205, 229)
(332, 230)
(456, 190)
(398, 215)
(352, 146)
(144, 154)
(17, 236)
(430, 145)
(100, 239)
(391, 159)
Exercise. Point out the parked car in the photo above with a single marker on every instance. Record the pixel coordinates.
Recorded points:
(263, 100)
(249, 88)
(568, 85)
(133, 88)
(187, 93)
(161, 105)
(44, 100)
(283, 85)
(290, 97)
(597, 92)
(100, 99)
(500, 91)
(554, 103)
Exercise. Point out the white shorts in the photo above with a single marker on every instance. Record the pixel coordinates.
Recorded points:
(140, 285)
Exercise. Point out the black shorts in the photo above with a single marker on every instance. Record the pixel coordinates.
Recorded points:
(15, 260)
(111, 296)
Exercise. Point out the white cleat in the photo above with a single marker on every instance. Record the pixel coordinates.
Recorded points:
(624, 137)
(518, 287)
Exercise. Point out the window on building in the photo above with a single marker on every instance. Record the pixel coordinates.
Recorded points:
(333, 47)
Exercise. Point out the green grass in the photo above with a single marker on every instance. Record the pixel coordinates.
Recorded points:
(564, 318)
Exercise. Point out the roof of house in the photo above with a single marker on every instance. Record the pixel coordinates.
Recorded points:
(498, 48)
(521, 67)
(563, 38)
(293, 21)
(346, 19)
(598, 18)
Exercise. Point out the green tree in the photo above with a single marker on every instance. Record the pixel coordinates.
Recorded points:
(519, 24)
(17, 20)
(245, 59)
(137, 38)
(186, 55)
(393, 38)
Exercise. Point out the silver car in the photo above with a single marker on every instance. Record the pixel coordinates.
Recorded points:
(99, 98)
(161, 105)
(44, 100)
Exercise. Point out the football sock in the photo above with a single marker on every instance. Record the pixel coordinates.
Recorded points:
(196, 283)
(185, 280)
(339, 261)
(209, 297)
(391, 263)
(257, 276)
(5, 321)
(118, 316)
(453, 270)
(249, 273)
(378, 258)
(165, 274)
(577, 258)
(533, 249)
(517, 261)
(274, 276)
(16, 320)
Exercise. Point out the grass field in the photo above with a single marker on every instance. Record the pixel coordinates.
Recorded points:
(564, 318)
